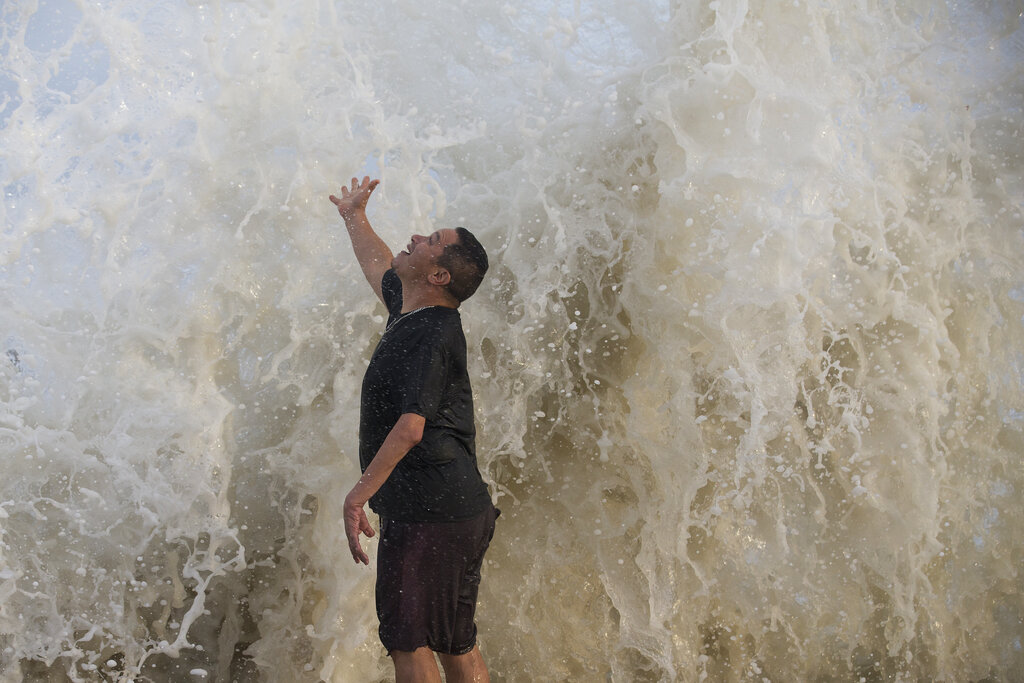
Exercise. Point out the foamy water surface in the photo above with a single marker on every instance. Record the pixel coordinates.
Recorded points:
(748, 362)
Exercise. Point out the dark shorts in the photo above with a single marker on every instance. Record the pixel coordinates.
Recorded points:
(428, 575)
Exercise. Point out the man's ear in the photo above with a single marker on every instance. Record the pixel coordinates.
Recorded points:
(440, 277)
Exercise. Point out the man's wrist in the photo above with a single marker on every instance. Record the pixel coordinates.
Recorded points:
(355, 213)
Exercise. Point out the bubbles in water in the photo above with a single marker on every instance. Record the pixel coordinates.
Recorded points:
(747, 382)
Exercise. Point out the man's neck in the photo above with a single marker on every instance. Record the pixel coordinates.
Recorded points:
(414, 297)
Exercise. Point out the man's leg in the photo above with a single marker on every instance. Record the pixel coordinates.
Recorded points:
(415, 667)
(467, 668)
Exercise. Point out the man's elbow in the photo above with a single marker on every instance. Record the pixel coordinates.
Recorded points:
(410, 428)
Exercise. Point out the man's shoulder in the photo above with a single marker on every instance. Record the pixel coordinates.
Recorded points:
(428, 326)
(441, 323)
(436, 328)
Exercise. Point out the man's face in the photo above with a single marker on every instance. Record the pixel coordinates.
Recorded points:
(419, 258)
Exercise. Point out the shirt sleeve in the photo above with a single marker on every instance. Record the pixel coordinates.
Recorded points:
(426, 378)
(391, 291)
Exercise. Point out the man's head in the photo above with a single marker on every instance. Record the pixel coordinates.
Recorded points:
(451, 258)
(466, 260)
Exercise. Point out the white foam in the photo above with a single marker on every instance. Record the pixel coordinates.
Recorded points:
(748, 390)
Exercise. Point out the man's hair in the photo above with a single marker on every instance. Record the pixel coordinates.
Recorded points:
(466, 262)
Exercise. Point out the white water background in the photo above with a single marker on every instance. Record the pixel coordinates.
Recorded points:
(748, 362)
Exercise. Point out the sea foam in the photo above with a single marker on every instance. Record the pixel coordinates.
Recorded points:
(747, 362)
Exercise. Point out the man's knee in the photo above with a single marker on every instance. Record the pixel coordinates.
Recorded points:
(467, 668)
(418, 666)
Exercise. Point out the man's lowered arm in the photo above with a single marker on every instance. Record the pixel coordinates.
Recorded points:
(403, 436)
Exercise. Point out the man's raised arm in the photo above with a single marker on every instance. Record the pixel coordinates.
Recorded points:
(373, 255)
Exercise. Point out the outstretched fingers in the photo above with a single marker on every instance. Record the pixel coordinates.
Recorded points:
(355, 197)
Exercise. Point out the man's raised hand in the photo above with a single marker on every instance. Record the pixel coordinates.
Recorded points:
(355, 198)
(373, 254)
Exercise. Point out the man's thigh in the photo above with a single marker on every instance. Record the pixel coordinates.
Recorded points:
(428, 578)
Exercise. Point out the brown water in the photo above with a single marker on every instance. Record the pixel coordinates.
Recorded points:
(747, 365)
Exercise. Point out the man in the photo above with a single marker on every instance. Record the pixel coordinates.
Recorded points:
(417, 449)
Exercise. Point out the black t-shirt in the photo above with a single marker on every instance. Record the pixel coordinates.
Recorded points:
(419, 366)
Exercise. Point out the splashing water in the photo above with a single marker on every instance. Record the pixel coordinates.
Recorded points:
(747, 364)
